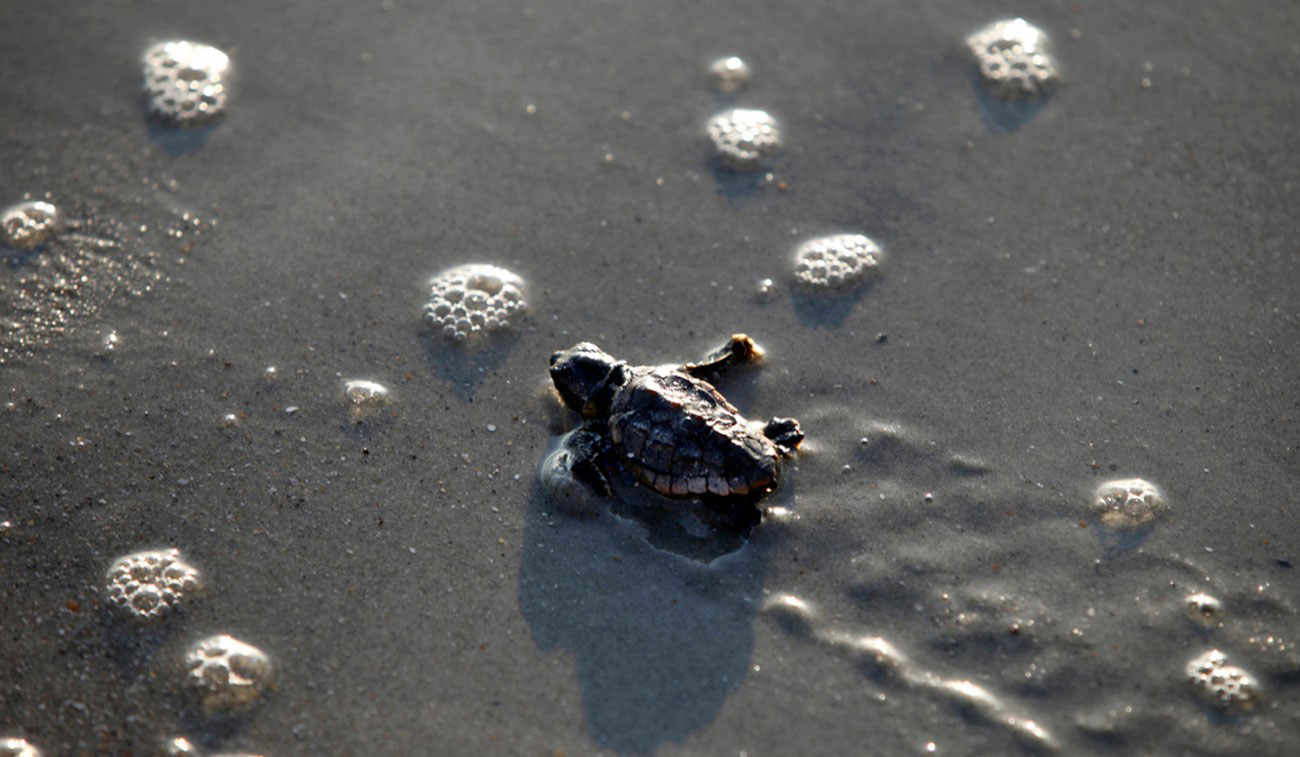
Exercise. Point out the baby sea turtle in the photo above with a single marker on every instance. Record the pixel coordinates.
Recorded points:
(668, 429)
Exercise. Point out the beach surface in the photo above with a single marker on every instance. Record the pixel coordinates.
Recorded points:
(1100, 286)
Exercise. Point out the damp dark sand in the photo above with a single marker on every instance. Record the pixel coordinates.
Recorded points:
(1101, 287)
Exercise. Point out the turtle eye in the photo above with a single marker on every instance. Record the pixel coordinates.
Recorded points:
(555, 357)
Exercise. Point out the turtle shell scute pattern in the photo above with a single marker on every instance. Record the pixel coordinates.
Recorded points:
(680, 437)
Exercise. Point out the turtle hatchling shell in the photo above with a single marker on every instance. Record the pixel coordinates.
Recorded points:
(680, 437)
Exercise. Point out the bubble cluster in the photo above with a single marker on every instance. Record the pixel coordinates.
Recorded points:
(28, 225)
(149, 585)
(179, 747)
(365, 398)
(361, 392)
(226, 675)
(115, 242)
(1128, 503)
(1014, 59)
(474, 298)
(1203, 609)
(15, 747)
(729, 74)
(743, 139)
(185, 81)
(1225, 686)
(836, 261)
(183, 747)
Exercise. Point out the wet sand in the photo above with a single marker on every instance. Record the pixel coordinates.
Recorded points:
(1105, 291)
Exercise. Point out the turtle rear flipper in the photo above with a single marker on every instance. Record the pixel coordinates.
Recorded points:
(738, 350)
(785, 435)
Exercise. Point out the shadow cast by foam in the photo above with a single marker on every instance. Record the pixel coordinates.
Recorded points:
(464, 365)
(1005, 115)
(826, 309)
(177, 141)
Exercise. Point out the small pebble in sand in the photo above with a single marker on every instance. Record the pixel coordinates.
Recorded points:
(186, 82)
(226, 675)
(27, 225)
(1225, 686)
(743, 139)
(146, 586)
(1014, 59)
(473, 299)
(1128, 503)
(729, 74)
(836, 261)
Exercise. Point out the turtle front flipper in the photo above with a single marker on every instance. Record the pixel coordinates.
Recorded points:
(588, 457)
(738, 350)
(785, 435)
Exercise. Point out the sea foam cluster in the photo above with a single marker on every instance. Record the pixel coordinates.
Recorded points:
(729, 74)
(28, 224)
(15, 747)
(743, 138)
(151, 584)
(1128, 503)
(1014, 59)
(1203, 609)
(474, 298)
(186, 81)
(1225, 686)
(226, 675)
(833, 262)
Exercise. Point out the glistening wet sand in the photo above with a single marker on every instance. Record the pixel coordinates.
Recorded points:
(1096, 287)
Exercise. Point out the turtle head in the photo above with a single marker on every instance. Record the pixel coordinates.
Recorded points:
(586, 377)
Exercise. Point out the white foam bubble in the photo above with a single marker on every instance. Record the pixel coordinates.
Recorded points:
(16, 747)
(362, 392)
(1225, 686)
(1203, 609)
(729, 74)
(1128, 503)
(567, 493)
(27, 225)
(474, 298)
(186, 81)
(836, 261)
(183, 747)
(149, 585)
(743, 139)
(226, 675)
(1014, 59)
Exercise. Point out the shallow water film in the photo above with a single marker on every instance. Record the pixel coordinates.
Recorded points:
(258, 497)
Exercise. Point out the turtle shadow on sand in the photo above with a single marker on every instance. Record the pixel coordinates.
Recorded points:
(826, 309)
(659, 641)
(464, 365)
